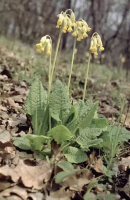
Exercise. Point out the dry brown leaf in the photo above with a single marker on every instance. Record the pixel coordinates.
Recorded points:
(13, 197)
(5, 136)
(31, 176)
(98, 165)
(19, 191)
(13, 104)
(36, 196)
(15, 120)
(124, 163)
(59, 195)
(3, 108)
(126, 119)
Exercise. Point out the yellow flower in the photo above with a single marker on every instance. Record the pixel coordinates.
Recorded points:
(95, 43)
(70, 29)
(40, 48)
(48, 47)
(93, 49)
(64, 30)
(57, 26)
(74, 33)
(78, 39)
(101, 48)
(60, 20)
(85, 35)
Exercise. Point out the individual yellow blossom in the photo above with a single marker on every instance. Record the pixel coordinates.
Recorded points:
(85, 35)
(101, 48)
(60, 20)
(74, 33)
(40, 48)
(70, 29)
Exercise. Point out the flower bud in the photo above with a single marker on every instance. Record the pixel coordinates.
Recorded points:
(72, 18)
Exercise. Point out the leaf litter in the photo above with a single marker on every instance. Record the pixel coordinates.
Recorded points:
(20, 180)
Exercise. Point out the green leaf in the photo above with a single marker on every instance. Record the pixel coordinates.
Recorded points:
(30, 142)
(37, 141)
(35, 104)
(61, 175)
(99, 123)
(92, 184)
(88, 138)
(124, 135)
(106, 196)
(84, 116)
(36, 99)
(75, 155)
(89, 116)
(89, 196)
(44, 124)
(59, 103)
(66, 166)
(60, 134)
(22, 142)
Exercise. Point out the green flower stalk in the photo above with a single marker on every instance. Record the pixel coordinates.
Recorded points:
(86, 77)
(65, 23)
(72, 61)
(95, 45)
(45, 45)
(80, 32)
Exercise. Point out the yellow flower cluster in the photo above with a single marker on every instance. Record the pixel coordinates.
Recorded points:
(96, 43)
(80, 30)
(66, 21)
(44, 45)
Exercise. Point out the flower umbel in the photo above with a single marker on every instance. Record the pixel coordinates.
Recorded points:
(45, 45)
(66, 21)
(96, 44)
(80, 29)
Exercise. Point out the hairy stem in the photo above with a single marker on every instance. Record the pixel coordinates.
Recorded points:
(86, 78)
(54, 62)
(72, 61)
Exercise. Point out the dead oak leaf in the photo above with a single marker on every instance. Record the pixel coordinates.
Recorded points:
(31, 176)
(19, 191)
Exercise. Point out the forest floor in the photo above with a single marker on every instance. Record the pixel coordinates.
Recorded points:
(23, 175)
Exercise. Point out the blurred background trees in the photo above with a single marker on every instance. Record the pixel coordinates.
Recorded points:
(29, 20)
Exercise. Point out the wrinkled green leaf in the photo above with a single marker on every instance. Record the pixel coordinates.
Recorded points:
(36, 99)
(59, 103)
(84, 116)
(75, 155)
(35, 104)
(99, 123)
(88, 138)
(60, 134)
